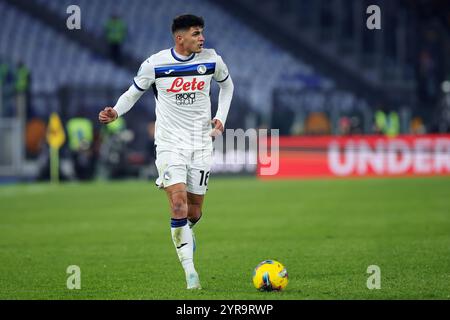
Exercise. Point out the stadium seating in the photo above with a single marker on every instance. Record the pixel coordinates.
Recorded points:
(54, 60)
(256, 65)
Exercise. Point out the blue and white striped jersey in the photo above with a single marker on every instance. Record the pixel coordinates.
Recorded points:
(182, 94)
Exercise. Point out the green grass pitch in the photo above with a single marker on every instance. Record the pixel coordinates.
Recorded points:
(326, 233)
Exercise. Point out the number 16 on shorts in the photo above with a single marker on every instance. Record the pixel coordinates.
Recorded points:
(204, 178)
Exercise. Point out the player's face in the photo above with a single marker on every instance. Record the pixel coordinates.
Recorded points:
(193, 40)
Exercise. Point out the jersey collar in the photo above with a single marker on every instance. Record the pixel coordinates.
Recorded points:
(174, 55)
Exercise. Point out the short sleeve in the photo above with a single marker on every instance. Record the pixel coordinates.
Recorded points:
(221, 73)
(145, 76)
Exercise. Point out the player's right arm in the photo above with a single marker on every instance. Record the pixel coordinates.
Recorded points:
(143, 80)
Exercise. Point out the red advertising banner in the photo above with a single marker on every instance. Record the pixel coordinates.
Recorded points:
(356, 156)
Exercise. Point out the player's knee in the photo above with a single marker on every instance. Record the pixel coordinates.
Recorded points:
(179, 207)
(179, 210)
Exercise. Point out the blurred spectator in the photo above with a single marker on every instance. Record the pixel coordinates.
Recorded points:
(344, 125)
(22, 82)
(443, 109)
(116, 31)
(150, 169)
(317, 123)
(416, 126)
(22, 77)
(81, 137)
(349, 125)
(113, 151)
(298, 124)
(387, 123)
(6, 89)
(35, 137)
(114, 127)
(355, 125)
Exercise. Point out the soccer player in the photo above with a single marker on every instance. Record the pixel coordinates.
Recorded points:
(180, 78)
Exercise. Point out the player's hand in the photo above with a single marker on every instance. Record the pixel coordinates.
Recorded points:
(107, 115)
(218, 128)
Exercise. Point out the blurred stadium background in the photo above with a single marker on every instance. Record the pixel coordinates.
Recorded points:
(348, 101)
(307, 68)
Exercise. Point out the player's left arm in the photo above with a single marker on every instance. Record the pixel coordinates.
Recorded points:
(226, 86)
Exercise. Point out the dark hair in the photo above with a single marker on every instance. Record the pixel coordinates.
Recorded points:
(186, 21)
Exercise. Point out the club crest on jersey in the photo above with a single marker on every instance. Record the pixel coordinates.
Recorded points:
(201, 69)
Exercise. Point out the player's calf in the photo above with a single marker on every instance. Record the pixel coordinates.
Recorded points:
(193, 219)
(195, 203)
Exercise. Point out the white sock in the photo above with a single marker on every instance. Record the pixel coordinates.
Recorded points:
(182, 239)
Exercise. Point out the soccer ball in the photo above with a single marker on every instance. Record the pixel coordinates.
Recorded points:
(270, 275)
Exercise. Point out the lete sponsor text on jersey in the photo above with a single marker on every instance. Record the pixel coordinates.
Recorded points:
(180, 85)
